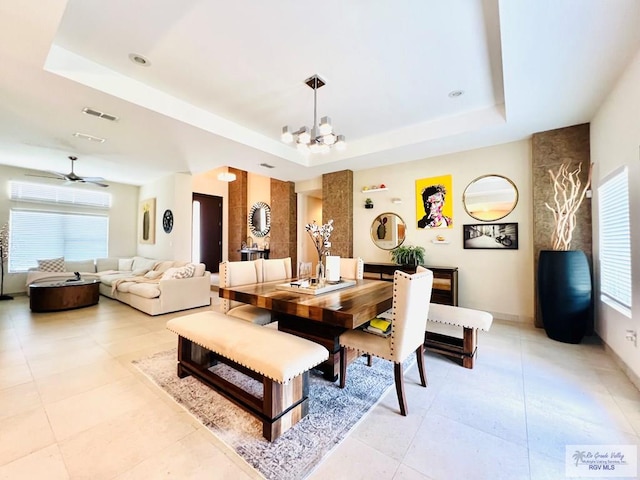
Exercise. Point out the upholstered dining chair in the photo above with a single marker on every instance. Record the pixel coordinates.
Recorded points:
(233, 274)
(352, 268)
(411, 297)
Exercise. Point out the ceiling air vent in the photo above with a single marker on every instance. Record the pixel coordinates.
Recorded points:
(96, 113)
(266, 165)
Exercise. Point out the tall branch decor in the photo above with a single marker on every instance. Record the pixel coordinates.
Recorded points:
(567, 198)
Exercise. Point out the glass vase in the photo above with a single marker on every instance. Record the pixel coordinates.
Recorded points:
(320, 273)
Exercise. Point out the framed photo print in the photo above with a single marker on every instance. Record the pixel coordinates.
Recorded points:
(493, 236)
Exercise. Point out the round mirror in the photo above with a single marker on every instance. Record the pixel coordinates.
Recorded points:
(490, 197)
(260, 219)
(388, 231)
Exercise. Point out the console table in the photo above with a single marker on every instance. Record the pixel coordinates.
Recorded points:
(445, 279)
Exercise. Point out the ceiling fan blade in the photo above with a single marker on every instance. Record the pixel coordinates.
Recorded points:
(92, 179)
(57, 176)
(99, 184)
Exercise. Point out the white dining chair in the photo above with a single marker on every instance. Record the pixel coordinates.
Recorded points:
(352, 268)
(233, 274)
(411, 297)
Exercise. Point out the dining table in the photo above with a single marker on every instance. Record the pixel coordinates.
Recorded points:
(320, 317)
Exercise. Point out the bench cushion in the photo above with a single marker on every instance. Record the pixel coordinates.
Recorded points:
(460, 316)
(274, 354)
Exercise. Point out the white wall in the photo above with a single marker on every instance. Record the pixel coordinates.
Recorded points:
(499, 281)
(615, 139)
(173, 192)
(122, 218)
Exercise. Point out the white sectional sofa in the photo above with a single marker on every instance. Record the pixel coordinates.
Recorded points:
(152, 286)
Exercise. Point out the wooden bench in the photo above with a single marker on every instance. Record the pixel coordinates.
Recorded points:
(280, 361)
(464, 349)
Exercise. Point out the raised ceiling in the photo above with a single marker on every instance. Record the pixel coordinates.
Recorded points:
(224, 77)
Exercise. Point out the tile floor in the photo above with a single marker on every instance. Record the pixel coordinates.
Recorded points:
(73, 406)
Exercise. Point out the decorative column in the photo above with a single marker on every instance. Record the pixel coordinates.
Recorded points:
(284, 211)
(237, 198)
(337, 204)
(550, 150)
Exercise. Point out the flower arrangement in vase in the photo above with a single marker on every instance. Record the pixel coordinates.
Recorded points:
(320, 235)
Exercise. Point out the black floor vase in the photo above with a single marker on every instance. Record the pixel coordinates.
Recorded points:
(565, 294)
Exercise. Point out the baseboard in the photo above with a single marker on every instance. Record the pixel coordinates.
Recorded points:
(635, 379)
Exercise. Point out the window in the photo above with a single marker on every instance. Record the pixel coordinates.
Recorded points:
(38, 235)
(60, 222)
(615, 241)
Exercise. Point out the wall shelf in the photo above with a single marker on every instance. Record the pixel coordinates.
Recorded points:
(371, 190)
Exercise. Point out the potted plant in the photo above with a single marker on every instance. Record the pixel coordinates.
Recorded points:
(564, 276)
(408, 255)
(368, 203)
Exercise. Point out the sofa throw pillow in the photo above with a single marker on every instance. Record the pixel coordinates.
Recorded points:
(125, 264)
(51, 265)
(153, 274)
(180, 272)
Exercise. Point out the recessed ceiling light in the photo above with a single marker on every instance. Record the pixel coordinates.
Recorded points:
(456, 93)
(139, 59)
(91, 138)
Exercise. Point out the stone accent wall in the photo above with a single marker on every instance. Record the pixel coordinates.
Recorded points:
(550, 150)
(238, 211)
(337, 204)
(284, 211)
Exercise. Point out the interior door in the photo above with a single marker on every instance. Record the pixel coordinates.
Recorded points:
(210, 208)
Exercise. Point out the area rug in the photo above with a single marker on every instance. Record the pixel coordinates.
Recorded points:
(333, 413)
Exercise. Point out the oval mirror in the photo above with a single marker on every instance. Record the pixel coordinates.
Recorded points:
(260, 219)
(388, 231)
(490, 197)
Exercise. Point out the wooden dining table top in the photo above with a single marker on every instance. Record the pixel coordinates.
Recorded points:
(349, 307)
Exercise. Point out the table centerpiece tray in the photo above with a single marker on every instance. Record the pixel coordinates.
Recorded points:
(309, 289)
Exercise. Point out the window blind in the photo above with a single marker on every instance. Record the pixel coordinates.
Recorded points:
(36, 235)
(53, 194)
(615, 239)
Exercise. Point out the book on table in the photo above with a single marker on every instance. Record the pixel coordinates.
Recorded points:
(378, 326)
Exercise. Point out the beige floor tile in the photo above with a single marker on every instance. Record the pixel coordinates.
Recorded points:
(85, 377)
(13, 375)
(65, 360)
(502, 416)
(191, 458)
(23, 434)
(19, 399)
(407, 473)
(88, 409)
(355, 460)
(42, 464)
(444, 449)
(129, 440)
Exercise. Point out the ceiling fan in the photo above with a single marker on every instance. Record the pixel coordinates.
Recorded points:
(72, 177)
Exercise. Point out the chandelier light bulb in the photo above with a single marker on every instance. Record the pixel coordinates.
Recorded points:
(325, 126)
(329, 139)
(287, 136)
(304, 136)
(340, 143)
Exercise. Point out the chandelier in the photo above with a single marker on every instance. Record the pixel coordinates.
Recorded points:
(321, 137)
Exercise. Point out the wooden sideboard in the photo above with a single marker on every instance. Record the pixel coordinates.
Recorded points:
(445, 279)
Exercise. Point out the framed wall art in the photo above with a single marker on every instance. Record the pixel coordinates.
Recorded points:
(434, 202)
(147, 222)
(493, 236)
